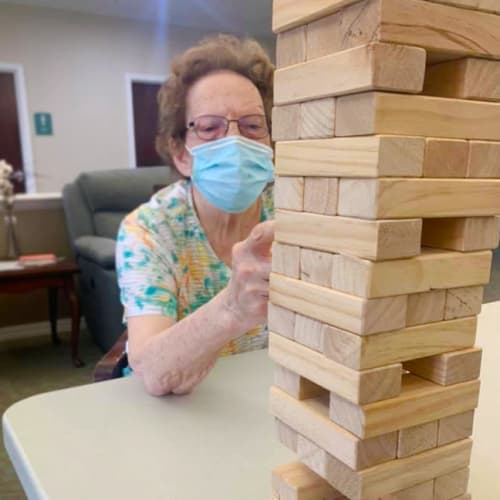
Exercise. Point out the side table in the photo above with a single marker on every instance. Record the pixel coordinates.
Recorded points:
(52, 277)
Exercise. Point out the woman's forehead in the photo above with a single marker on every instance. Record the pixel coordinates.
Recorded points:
(223, 93)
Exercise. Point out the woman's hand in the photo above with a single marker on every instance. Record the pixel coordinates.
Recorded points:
(247, 292)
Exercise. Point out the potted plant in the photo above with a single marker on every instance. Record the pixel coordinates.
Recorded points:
(7, 176)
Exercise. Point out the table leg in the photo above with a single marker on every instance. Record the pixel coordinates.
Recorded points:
(69, 290)
(53, 315)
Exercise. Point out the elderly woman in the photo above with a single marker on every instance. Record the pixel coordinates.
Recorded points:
(193, 263)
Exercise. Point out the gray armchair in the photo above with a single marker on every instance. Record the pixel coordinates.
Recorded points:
(94, 205)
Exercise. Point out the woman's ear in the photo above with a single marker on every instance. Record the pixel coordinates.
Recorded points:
(181, 157)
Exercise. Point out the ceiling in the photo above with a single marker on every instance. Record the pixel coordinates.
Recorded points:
(238, 16)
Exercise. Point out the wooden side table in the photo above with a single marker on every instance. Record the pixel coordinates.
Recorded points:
(52, 277)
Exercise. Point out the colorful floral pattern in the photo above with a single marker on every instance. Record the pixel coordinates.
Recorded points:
(165, 264)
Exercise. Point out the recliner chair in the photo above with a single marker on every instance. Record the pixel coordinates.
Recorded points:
(94, 206)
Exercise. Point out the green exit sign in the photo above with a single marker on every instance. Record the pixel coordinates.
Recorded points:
(43, 124)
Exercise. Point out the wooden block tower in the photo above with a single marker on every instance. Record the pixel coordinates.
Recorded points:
(387, 122)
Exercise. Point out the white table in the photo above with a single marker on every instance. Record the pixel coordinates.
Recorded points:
(111, 440)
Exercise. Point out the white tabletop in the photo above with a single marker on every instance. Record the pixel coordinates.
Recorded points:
(111, 440)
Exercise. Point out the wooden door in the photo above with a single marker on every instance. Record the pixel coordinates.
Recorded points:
(10, 132)
(145, 108)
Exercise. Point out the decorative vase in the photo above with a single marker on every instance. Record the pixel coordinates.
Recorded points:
(12, 242)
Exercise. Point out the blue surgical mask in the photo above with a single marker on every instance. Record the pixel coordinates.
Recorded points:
(232, 172)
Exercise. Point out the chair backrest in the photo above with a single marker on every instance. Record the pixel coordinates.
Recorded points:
(96, 202)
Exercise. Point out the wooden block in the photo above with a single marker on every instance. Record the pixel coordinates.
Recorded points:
(317, 118)
(464, 79)
(352, 26)
(291, 47)
(353, 385)
(320, 195)
(484, 159)
(310, 419)
(422, 491)
(374, 156)
(448, 368)
(464, 234)
(286, 435)
(431, 198)
(308, 332)
(358, 315)
(296, 386)
(420, 402)
(387, 478)
(370, 67)
(455, 427)
(296, 481)
(446, 158)
(486, 5)
(289, 193)
(451, 485)
(286, 122)
(433, 269)
(461, 302)
(417, 439)
(286, 260)
(316, 267)
(375, 240)
(280, 320)
(384, 113)
(362, 352)
(425, 307)
(290, 13)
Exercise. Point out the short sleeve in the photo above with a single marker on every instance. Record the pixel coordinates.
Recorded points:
(145, 269)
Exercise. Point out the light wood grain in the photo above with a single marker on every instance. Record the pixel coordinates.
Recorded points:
(286, 122)
(446, 158)
(464, 234)
(448, 368)
(358, 315)
(285, 260)
(317, 118)
(320, 195)
(296, 481)
(291, 47)
(374, 240)
(355, 386)
(281, 320)
(451, 485)
(417, 439)
(316, 267)
(414, 342)
(484, 159)
(310, 419)
(486, 5)
(375, 66)
(286, 435)
(461, 302)
(308, 332)
(387, 478)
(296, 386)
(422, 491)
(379, 156)
(430, 198)
(455, 427)
(426, 307)
(433, 269)
(289, 193)
(383, 113)
(464, 79)
(420, 401)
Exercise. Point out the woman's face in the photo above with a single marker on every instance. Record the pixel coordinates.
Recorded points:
(222, 93)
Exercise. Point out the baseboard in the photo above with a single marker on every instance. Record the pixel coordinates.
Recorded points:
(33, 330)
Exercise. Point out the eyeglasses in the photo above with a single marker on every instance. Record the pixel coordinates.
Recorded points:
(211, 127)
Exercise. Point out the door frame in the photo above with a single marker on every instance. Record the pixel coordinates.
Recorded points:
(24, 121)
(131, 78)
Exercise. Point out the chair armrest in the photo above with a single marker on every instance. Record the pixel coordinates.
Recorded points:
(97, 249)
(112, 363)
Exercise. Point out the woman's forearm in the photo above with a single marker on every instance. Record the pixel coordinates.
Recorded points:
(178, 358)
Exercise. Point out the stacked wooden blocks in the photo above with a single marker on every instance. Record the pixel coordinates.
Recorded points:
(388, 165)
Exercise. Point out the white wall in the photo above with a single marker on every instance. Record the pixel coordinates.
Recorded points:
(74, 67)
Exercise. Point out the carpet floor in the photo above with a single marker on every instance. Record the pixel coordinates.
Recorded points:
(32, 367)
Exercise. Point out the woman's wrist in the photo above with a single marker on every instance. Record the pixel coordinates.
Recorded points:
(231, 317)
